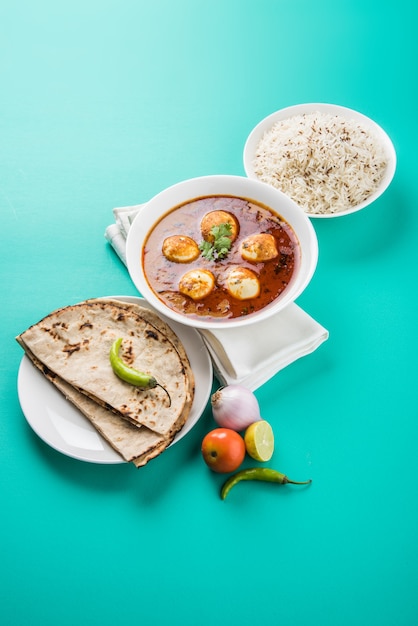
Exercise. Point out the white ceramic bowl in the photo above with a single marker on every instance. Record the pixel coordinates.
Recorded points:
(239, 186)
(266, 124)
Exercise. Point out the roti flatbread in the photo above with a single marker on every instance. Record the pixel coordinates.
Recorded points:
(137, 444)
(74, 343)
(163, 327)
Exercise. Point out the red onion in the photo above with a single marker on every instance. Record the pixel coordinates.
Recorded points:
(235, 407)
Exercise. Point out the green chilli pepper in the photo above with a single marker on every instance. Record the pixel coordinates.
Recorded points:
(257, 473)
(129, 374)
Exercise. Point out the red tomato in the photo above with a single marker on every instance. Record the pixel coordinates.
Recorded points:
(223, 450)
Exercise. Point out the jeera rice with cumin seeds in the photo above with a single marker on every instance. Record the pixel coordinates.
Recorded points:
(325, 163)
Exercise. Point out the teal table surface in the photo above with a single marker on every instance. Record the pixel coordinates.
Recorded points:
(104, 104)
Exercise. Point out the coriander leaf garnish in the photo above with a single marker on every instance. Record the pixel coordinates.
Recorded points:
(221, 244)
(206, 249)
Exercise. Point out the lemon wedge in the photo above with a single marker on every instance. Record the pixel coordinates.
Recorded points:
(259, 440)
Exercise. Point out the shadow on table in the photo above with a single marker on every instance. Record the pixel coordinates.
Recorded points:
(147, 484)
(367, 234)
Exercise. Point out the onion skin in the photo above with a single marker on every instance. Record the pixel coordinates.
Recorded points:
(235, 407)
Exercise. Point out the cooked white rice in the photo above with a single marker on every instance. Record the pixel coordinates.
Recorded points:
(325, 163)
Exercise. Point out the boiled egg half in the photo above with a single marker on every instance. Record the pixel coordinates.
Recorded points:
(197, 284)
(242, 283)
(180, 249)
(259, 247)
(216, 218)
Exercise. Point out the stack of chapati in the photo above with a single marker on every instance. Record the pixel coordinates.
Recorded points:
(71, 346)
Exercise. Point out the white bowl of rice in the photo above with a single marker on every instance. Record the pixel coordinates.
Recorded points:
(329, 159)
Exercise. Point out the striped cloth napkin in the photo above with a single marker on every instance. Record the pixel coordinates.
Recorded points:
(274, 343)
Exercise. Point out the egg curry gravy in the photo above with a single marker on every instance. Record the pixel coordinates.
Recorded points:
(220, 257)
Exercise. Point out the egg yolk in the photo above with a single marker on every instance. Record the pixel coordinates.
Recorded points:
(216, 218)
(197, 284)
(259, 247)
(180, 249)
(242, 283)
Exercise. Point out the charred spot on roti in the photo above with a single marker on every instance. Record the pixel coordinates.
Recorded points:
(124, 409)
(85, 325)
(60, 325)
(52, 332)
(70, 349)
(45, 370)
(127, 354)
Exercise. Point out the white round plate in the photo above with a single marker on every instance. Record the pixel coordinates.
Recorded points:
(59, 423)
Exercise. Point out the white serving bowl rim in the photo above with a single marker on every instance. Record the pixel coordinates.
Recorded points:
(221, 184)
(299, 109)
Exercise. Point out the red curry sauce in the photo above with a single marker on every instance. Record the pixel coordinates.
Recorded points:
(275, 275)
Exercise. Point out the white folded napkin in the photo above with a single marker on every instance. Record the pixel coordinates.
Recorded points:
(251, 355)
(116, 233)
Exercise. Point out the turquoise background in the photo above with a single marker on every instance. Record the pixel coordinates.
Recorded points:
(104, 104)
